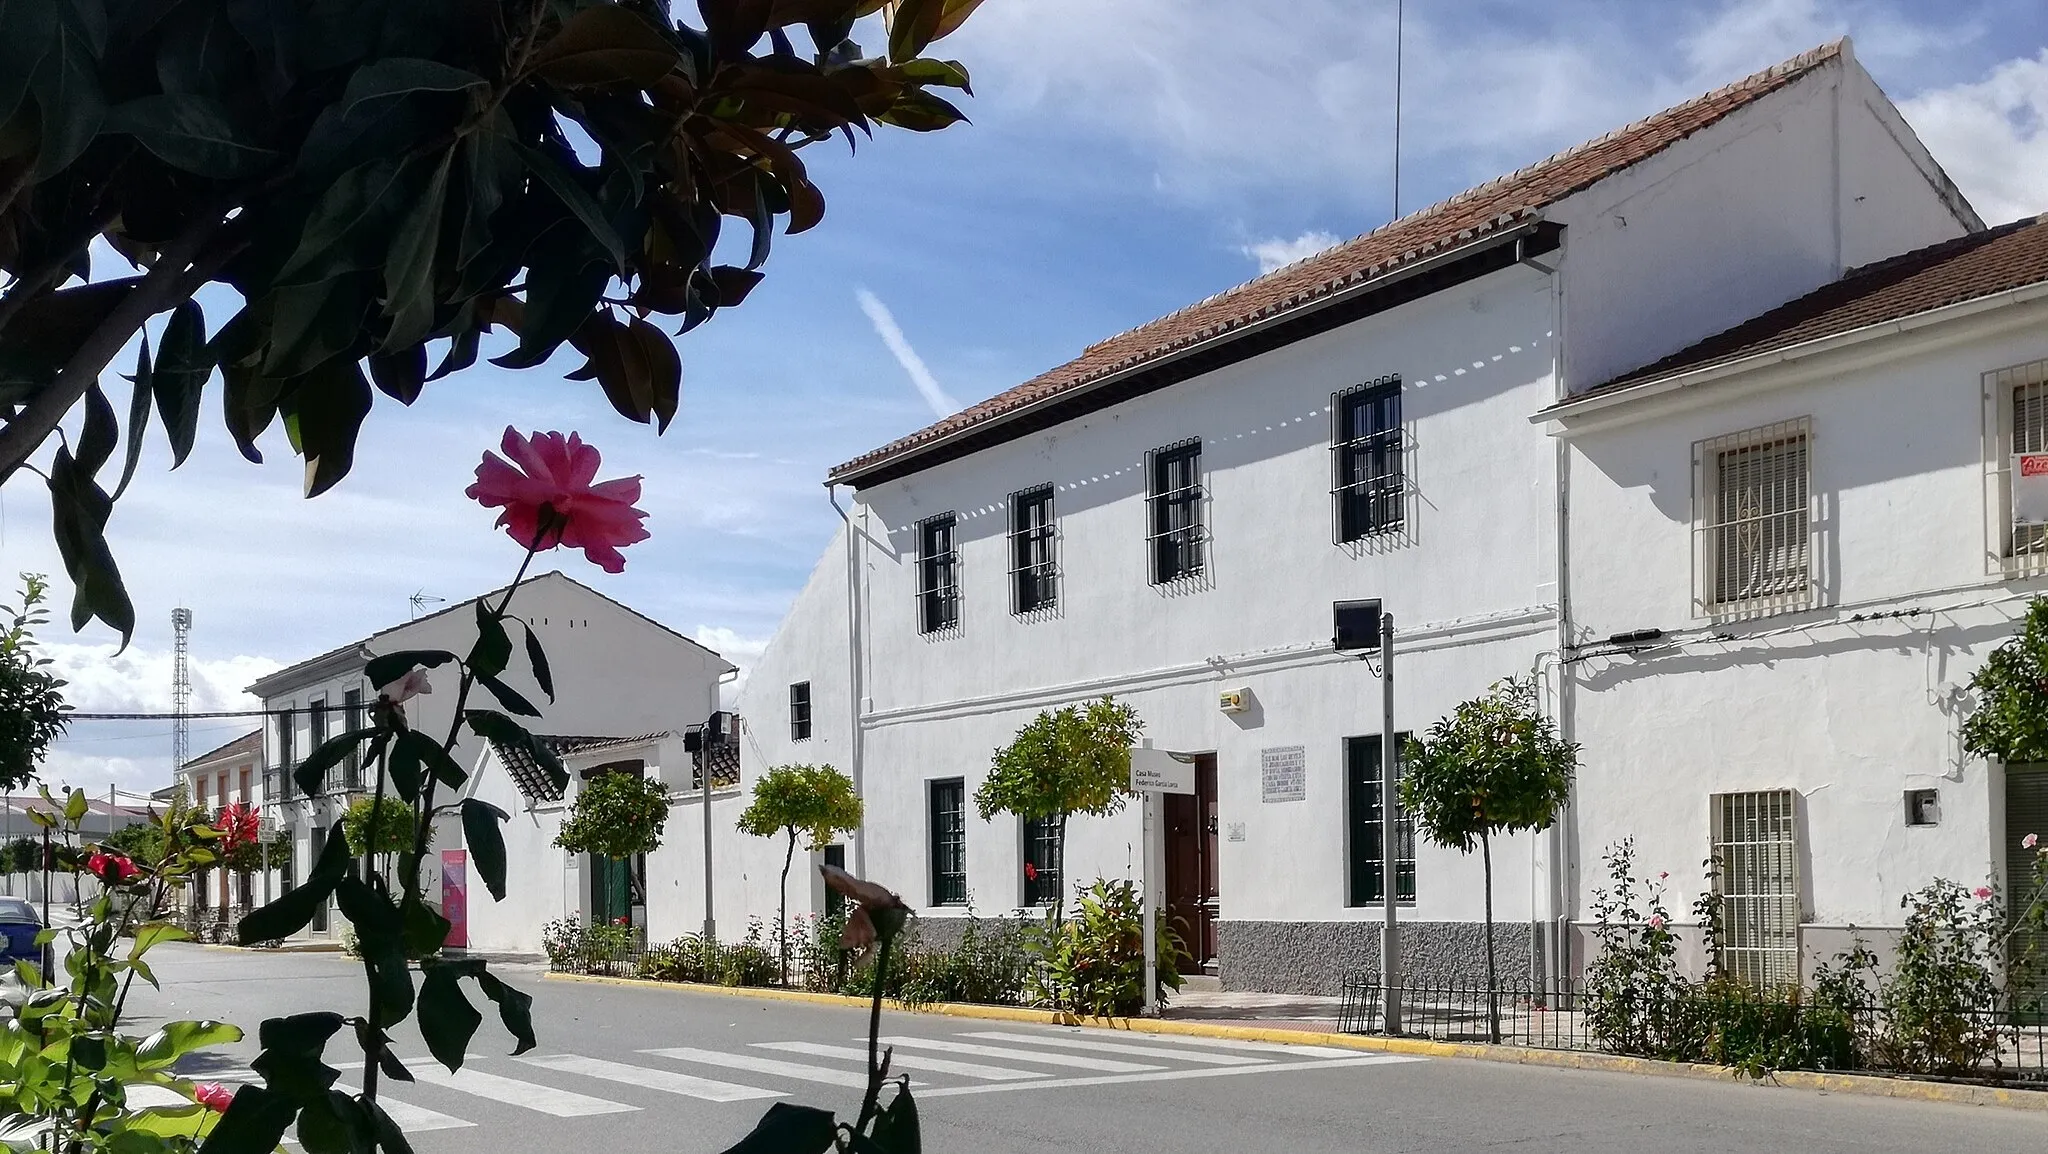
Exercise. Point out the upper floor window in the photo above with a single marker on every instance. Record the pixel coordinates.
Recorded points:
(316, 720)
(1365, 442)
(287, 731)
(1174, 502)
(352, 720)
(2016, 448)
(800, 711)
(1754, 553)
(938, 574)
(1034, 559)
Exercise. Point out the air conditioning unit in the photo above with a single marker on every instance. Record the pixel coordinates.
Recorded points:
(1232, 700)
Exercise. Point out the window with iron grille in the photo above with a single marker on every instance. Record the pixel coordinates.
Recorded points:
(1034, 558)
(1362, 775)
(938, 574)
(352, 720)
(1755, 549)
(800, 711)
(1044, 848)
(948, 801)
(316, 720)
(2016, 429)
(287, 730)
(1756, 850)
(1365, 449)
(1174, 501)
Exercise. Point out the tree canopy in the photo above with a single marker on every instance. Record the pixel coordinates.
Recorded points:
(32, 708)
(1495, 765)
(380, 184)
(815, 802)
(616, 815)
(2010, 721)
(1065, 761)
(392, 833)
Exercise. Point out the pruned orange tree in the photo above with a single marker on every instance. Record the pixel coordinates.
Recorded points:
(381, 183)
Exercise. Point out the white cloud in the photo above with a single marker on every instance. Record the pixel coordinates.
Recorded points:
(899, 347)
(138, 680)
(741, 650)
(1992, 136)
(1277, 253)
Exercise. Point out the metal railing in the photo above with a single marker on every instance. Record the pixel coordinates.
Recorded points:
(1726, 1024)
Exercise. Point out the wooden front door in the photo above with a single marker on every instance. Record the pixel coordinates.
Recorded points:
(1191, 890)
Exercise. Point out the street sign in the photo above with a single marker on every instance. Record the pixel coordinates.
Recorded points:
(1157, 771)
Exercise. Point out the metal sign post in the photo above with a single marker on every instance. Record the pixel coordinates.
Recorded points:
(1390, 929)
(1155, 773)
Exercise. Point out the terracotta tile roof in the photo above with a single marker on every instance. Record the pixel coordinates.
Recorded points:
(249, 744)
(1981, 264)
(1467, 216)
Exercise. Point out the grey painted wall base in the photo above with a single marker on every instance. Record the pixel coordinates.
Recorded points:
(1316, 957)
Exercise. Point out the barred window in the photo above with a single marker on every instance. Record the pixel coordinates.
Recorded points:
(1362, 771)
(2016, 399)
(1756, 850)
(938, 575)
(1044, 849)
(948, 801)
(1755, 549)
(1368, 487)
(1174, 503)
(800, 711)
(1034, 559)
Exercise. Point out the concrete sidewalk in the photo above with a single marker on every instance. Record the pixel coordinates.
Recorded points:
(1279, 1011)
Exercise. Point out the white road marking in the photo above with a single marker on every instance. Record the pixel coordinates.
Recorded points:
(759, 1065)
(650, 1078)
(1260, 1047)
(1172, 1075)
(1105, 1065)
(544, 1099)
(418, 1119)
(1077, 1043)
(907, 1061)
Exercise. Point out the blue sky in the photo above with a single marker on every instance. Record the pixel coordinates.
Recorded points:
(1125, 159)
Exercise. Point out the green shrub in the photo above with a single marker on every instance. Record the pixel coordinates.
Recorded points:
(690, 958)
(1938, 999)
(1094, 962)
(1633, 988)
(563, 941)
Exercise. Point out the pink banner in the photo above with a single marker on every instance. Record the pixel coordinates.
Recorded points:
(455, 895)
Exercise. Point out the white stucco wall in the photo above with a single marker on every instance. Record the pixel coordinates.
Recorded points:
(1849, 704)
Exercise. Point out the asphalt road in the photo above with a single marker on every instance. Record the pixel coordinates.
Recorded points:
(622, 1068)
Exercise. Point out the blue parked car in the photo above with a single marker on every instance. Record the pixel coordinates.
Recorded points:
(19, 925)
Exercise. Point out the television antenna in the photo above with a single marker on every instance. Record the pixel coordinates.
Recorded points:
(420, 600)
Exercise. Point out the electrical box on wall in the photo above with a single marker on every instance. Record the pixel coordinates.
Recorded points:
(1232, 700)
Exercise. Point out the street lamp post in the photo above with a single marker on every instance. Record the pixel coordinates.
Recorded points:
(1390, 928)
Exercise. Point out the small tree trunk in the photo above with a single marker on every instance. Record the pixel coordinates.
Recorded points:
(1492, 980)
(782, 912)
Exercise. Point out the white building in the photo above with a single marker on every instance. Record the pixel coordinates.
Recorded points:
(615, 672)
(1172, 515)
(231, 773)
(1791, 545)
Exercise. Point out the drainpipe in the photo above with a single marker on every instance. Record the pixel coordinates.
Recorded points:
(1555, 954)
(856, 691)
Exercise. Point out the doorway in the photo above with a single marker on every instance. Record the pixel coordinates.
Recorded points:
(2026, 812)
(1191, 889)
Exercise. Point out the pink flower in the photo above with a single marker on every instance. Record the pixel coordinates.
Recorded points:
(212, 1095)
(2030, 841)
(406, 688)
(1983, 893)
(549, 500)
(1656, 921)
(1663, 876)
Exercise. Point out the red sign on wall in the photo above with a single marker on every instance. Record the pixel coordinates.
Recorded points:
(455, 895)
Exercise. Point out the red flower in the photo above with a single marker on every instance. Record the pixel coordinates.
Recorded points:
(622, 921)
(237, 824)
(212, 1095)
(111, 868)
(549, 500)
(1030, 872)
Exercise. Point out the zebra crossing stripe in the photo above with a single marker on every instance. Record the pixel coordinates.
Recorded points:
(1100, 1065)
(907, 1061)
(418, 1119)
(1286, 1048)
(1174, 1055)
(649, 1078)
(542, 1099)
(759, 1065)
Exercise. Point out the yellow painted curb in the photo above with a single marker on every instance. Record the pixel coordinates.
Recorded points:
(1953, 1093)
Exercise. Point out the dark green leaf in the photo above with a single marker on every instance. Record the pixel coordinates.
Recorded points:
(312, 772)
(486, 843)
(396, 75)
(447, 1020)
(734, 283)
(789, 1129)
(493, 648)
(510, 698)
(403, 766)
(183, 365)
(79, 509)
(515, 1009)
(389, 667)
(916, 22)
(920, 111)
(664, 369)
(342, 233)
(138, 416)
(89, 1051)
(290, 913)
(334, 1123)
(192, 132)
(69, 97)
(100, 435)
(735, 25)
(409, 269)
(896, 1128)
(272, 32)
(255, 1123)
(390, 1138)
(426, 931)
(26, 33)
(945, 73)
(491, 725)
(328, 410)
(380, 937)
(439, 764)
(200, 52)
(402, 374)
(607, 44)
(576, 199)
(301, 1035)
(537, 658)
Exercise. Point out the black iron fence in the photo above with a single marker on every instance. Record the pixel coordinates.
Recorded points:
(1725, 1024)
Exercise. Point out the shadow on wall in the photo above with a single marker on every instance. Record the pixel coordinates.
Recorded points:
(1736, 651)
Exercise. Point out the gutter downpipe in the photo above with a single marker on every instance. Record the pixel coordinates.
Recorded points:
(856, 691)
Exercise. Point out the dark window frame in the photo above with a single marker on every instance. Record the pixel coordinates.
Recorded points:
(946, 840)
(800, 711)
(1034, 550)
(1176, 525)
(1369, 477)
(1363, 879)
(1043, 841)
(938, 573)
(352, 707)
